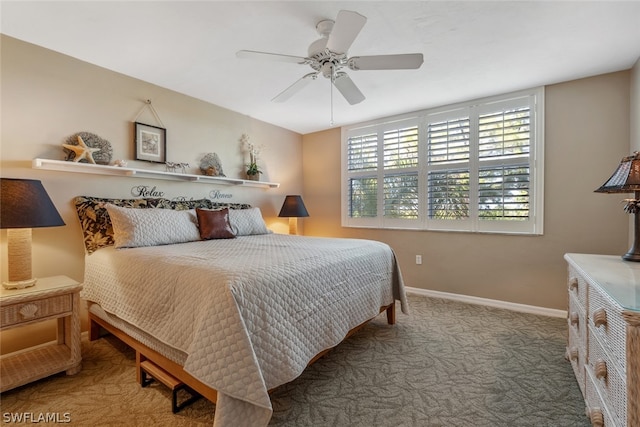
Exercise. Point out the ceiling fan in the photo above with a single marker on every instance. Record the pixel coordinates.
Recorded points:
(328, 56)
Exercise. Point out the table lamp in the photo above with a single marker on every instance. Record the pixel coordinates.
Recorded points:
(293, 208)
(24, 204)
(626, 179)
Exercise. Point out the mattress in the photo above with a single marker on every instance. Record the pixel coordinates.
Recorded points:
(245, 315)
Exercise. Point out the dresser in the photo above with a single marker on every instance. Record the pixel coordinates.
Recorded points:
(603, 341)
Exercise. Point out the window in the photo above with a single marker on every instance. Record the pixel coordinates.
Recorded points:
(469, 167)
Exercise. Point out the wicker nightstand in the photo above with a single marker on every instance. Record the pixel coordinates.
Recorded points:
(56, 297)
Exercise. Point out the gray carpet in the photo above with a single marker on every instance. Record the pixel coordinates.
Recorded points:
(447, 364)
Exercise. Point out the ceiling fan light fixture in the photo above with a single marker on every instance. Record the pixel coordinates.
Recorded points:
(327, 69)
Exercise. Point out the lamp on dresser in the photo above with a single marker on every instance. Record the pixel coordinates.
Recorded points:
(24, 204)
(626, 179)
(293, 208)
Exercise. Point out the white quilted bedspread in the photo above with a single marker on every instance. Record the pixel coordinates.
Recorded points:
(250, 312)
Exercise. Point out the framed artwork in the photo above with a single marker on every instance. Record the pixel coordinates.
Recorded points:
(151, 143)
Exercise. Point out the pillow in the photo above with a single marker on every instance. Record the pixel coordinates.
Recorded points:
(219, 205)
(96, 224)
(246, 222)
(214, 224)
(133, 228)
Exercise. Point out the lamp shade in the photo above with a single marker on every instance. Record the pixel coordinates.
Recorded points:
(626, 178)
(24, 203)
(293, 206)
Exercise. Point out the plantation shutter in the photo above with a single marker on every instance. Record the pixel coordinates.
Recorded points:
(504, 134)
(448, 153)
(363, 196)
(504, 144)
(400, 161)
(503, 193)
(362, 155)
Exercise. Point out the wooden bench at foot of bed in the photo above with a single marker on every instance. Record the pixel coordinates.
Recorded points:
(175, 370)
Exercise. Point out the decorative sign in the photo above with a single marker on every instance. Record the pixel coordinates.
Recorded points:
(146, 191)
(217, 194)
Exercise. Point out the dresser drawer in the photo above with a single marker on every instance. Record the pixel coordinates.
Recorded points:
(576, 354)
(596, 410)
(607, 379)
(577, 286)
(32, 310)
(577, 318)
(607, 322)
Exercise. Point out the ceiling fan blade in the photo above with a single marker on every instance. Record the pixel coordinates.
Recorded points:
(348, 88)
(252, 54)
(404, 61)
(345, 30)
(294, 88)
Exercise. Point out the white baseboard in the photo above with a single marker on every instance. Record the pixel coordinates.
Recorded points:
(532, 309)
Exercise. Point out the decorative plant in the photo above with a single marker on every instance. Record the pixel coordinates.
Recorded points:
(252, 166)
(253, 169)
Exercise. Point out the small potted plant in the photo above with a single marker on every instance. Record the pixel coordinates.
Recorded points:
(253, 171)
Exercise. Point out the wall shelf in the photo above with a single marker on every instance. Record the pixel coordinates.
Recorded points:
(77, 167)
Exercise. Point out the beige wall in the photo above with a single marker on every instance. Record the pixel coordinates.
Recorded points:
(635, 129)
(47, 96)
(635, 107)
(587, 133)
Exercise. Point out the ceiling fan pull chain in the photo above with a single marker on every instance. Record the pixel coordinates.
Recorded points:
(333, 76)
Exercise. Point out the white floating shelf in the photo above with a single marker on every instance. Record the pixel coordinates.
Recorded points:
(77, 167)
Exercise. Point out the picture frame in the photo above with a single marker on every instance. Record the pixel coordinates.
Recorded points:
(150, 142)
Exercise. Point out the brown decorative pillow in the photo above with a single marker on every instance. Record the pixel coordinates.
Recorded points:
(214, 224)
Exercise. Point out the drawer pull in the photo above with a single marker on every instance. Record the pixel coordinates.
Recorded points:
(601, 369)
(595, 416)
(574, 318)
(573, 353)
(573, 284)
(28, 311)
(600, 317)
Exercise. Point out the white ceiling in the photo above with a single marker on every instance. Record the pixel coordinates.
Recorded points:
(471, 49)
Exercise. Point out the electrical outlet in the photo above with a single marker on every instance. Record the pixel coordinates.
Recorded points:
(418, 259)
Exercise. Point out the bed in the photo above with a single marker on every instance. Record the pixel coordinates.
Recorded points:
(230, 309)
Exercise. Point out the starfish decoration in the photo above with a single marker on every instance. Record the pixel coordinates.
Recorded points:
(82, 151)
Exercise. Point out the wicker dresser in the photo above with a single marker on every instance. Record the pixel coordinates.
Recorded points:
(604, 336)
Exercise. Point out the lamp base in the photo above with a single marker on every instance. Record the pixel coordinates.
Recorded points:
(634, 252)
(293, 226)
(19, 284)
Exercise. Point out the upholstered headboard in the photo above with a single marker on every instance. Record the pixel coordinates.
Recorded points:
(96, 224)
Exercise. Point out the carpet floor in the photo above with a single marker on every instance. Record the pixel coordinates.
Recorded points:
(446, 364)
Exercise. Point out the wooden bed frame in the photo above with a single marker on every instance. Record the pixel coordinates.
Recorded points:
(174, 369)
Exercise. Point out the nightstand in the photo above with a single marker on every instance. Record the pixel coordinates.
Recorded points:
(56, 297)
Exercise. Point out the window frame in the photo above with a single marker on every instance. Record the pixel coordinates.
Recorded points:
(534, 97)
